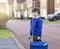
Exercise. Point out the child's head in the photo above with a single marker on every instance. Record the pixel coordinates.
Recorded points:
(35, 12)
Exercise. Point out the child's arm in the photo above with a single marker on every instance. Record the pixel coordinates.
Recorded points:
(39, 30)
(30, 30)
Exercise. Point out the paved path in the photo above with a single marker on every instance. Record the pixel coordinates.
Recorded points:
(8, 43)
(20, 29)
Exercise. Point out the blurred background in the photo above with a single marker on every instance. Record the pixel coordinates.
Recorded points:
(16, 8)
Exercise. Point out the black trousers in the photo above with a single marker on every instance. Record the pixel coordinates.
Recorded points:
(35, 38)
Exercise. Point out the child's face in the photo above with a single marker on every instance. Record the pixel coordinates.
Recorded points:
(35, 13)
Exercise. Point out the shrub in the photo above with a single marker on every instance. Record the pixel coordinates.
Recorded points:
(43, 17)
(3, 19)
(27, 18)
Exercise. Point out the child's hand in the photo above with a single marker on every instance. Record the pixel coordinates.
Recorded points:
(38, 38)
(30, 37)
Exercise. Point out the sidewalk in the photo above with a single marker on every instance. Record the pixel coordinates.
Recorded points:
(8, 43)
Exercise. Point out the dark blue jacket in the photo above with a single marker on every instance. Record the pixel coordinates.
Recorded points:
(36, 26)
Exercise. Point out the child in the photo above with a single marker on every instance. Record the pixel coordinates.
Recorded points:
(36, 25)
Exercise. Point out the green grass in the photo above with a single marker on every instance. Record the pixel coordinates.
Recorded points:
(4, 33)
(51, 22)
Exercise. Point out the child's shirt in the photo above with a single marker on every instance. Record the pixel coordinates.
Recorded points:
(36, 26)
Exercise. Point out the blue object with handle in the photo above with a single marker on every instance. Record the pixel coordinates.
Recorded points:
(39, 45)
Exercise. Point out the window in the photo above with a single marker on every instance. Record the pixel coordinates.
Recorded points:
(22, 6)
(58, 13)
(34, 0)
(30, 4)
(58, 1)
(43, 1)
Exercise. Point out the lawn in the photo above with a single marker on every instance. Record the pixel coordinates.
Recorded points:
(4, 33)
(51, 22)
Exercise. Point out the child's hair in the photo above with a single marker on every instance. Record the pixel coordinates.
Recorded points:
(36, 9)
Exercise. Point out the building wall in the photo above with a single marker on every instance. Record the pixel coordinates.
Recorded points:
(50, 6)
(39, 4)
(29, 7)
(29, 4)
(36, 4)
(2, 7)
(32, 4)
(43, 6)
(57, 5)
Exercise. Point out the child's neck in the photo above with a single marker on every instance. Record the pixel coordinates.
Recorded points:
(36, 16)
